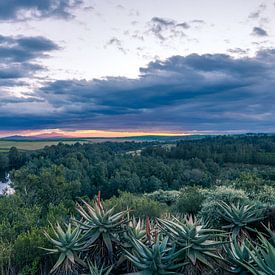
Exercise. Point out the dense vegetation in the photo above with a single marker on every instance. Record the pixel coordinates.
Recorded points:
(233, 174)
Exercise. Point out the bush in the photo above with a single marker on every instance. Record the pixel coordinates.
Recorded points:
(27, 253)
(228, 195)
(190, 200)
(5, 257)
(266, 195)
(140, 206)
(58, 213)
(168, 197)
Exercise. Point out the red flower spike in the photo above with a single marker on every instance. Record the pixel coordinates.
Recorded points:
(98, 199)
(148, 229)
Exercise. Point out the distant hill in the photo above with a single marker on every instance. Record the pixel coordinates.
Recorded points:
(56, 137)
(59, 137)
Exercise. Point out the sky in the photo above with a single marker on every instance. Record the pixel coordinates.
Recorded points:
(114, 68)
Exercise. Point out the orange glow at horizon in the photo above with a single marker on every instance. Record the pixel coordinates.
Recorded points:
(89, 133)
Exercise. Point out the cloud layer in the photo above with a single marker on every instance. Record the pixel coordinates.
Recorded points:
(25, 9)
(211, 92)
(19, 58)
(19, 64)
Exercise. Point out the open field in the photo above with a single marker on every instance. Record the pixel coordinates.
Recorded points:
(29, 145)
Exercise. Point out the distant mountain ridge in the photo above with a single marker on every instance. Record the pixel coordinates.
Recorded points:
(56, 136)
(60, 137)
(53, 136)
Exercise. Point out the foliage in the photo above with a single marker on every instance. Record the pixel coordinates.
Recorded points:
(266, 195)
(5, 257)
(139, 206)
(168, 197)
(190, 200)
(48, 182)
(56, 213)
(28, 256)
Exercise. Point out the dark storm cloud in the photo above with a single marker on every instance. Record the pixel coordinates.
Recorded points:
(16, 9)
(19, 70)
(257, 31)
(19, 58)
(21, 49)
(196, 92)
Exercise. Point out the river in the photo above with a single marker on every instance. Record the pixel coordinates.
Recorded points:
(5, 187)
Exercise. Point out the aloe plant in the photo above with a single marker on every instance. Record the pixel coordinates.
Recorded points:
(197, 243)
(136, 229)
(101, 228)
(238, 257)
(158, 258)
(68, 245)
(239, 217)
(264, 258)
(94, 269)
(271, 234)
(246, 258)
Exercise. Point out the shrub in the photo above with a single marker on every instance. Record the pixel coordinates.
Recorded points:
(27, 253)
(266, 195)
(190, 200)
(249, 182)
(57, 213)
(140, 206)
(168, 197)
(5, 257)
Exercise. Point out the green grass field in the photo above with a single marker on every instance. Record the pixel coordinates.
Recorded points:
(28, 145)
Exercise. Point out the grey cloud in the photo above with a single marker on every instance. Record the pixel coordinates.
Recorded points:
(21, 49)
(116, 43)
(238, 51)
(257, 31)
(166, 28)
(198, 21)
(257, 14)
(16, 9)
(18, 60)
(120, 7)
